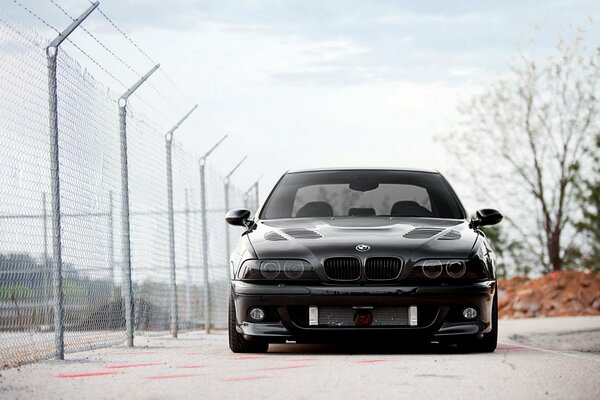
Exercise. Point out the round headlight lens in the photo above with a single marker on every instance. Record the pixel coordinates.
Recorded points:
(293, 269)
(456, 268)
(270, 269)
(432, 268)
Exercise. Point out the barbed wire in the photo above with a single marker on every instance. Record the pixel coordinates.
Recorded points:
(175, 85)
(35, 15)
(42, 20)
(134, 44)
(97, 63)
(110, 21)
(91, 306)
(103, 69)
(97, 40)
(150, 106)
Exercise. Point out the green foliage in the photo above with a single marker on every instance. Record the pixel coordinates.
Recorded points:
(23, 278)
(588, 195)
(13, 293)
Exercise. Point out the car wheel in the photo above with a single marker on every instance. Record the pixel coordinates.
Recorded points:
(489, 341)
(237, 343)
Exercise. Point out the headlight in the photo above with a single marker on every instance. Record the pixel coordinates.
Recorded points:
(448, 269)
(276, 270)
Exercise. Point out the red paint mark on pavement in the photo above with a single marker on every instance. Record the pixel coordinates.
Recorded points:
(239, 358)
(85, 374)
(245, 378)
(133, 365)
(509, 348)
(171, 376)
(304, 359)
(286, 367)
(192, 366)
(375, 360)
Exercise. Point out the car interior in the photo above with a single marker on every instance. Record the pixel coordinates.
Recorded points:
(322, 209)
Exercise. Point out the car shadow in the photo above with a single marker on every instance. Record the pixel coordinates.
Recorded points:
(359, 348)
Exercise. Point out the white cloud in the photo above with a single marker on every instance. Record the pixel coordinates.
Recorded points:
(310, 83)
(464, 72)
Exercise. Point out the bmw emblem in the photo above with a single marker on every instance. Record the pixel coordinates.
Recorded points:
(363, 247)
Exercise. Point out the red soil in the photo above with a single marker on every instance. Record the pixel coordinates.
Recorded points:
(555, 294)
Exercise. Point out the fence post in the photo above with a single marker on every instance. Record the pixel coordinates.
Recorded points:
(251, 196)
(51, 56)
(226, 187)
(168, 148)
(125, 228)
(188, 291)
(256, 195)
(47, 278)
(226, 206)
(202, 163)
(111, 244)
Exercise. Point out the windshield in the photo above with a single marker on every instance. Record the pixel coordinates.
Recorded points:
(362, 193)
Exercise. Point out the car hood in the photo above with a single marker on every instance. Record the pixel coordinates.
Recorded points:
(313, 239)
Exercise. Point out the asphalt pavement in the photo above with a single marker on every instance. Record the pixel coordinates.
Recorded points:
(550, 358)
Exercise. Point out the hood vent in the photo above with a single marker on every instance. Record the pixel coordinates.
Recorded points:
(301, 233)
(274, 236)
(452, 235)
(422, 233)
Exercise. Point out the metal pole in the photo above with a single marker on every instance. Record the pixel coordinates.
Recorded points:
(207, 308)
(51, 56)
(251, 196)
(206, 292)
(47, 279)
(226, 186)
(168, 148)
(188, 286)
(125, 228)
(246, 199)
(127, 283)
(59, 348)
(174, 319)
(227, 239)
(256, 197)
(111, 243)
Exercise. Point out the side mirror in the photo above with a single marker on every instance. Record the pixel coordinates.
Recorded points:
(238, 217)
(486, 217)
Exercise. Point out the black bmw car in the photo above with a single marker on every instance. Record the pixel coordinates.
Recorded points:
(368, 254)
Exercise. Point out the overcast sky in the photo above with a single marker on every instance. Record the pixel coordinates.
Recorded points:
(313, 83)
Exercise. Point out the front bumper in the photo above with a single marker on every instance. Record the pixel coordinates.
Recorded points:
(440, 310)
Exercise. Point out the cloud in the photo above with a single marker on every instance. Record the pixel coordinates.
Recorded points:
(413, 18)
(270, 71)
(464, 71)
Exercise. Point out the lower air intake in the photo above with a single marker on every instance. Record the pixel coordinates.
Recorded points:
(346, 316)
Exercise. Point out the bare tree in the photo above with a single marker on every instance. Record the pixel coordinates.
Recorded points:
(526, 134)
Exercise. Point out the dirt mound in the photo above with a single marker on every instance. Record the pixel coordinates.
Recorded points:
(555, 294)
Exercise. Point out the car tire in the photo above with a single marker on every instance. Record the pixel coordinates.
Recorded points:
(489, 341)
(237, 343)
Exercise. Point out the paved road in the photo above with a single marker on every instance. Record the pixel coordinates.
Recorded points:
(201, 366)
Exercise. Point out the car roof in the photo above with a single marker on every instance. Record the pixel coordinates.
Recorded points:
(295, 171)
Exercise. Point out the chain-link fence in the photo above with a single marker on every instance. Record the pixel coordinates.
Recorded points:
(86, 298)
